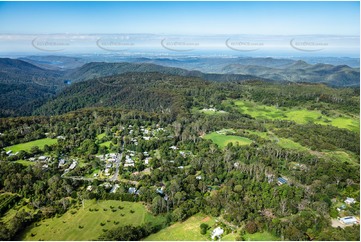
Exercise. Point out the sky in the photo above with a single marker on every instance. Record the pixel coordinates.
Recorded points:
(231, 28)
(185, 18)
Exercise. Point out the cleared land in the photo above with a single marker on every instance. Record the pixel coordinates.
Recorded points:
(187, 230)
(261, 236)
(28, 145)
(87, 225)
(211, 111)
(100, 136)
(106, 144)
(283, 142)
(25, 162)
(300, 116)
(222, 139)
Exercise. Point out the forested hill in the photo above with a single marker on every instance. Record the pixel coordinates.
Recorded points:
(156, 92)
(102, 69)
(140, 91)
(25, 86)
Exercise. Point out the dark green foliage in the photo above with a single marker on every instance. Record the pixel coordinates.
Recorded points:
(204, 227)
(321, 137)
(251, 227)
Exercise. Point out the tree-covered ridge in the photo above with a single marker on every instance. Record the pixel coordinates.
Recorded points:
(169, 93)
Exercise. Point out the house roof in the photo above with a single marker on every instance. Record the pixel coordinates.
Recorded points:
(282, 180)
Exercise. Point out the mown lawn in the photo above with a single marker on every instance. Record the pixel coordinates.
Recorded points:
(25, 162)
(261, 236)
(106, 144)
(222, 139)
(66, 227)
(28, 145)
(301, 116)
(100, 136)
(290, 144)
(283, 142)
(187, 230)
(212, 112)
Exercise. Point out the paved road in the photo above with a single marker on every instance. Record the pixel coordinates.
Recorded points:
(117, 164)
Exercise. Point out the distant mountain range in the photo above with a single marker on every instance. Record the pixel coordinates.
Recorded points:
(301, 71)
(101, 69)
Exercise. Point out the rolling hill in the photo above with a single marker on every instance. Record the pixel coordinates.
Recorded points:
(25, 86)
(300, 71)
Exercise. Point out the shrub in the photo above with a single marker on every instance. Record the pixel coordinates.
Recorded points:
(251, 227)
(204, 227)
(132, 211)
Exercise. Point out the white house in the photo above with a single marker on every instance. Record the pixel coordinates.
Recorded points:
(217, 232)
(106, 172)
(132, 190)
(73, 165)
(114, 188)
(348, 220)
(42, 158)
(350, 201)
(61, 162)
(146, 161)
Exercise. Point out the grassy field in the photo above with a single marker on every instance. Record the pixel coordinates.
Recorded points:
(300, 116)
(283, 142)
(187, 230)
(100, 136)
(341, 156)
(12, 212)
(222, 139)
(210, 112)
(67, 227)
(230, 237)
(106, 144)
(27, 146)
(290, 144)
(25, 162)
(264, 236)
